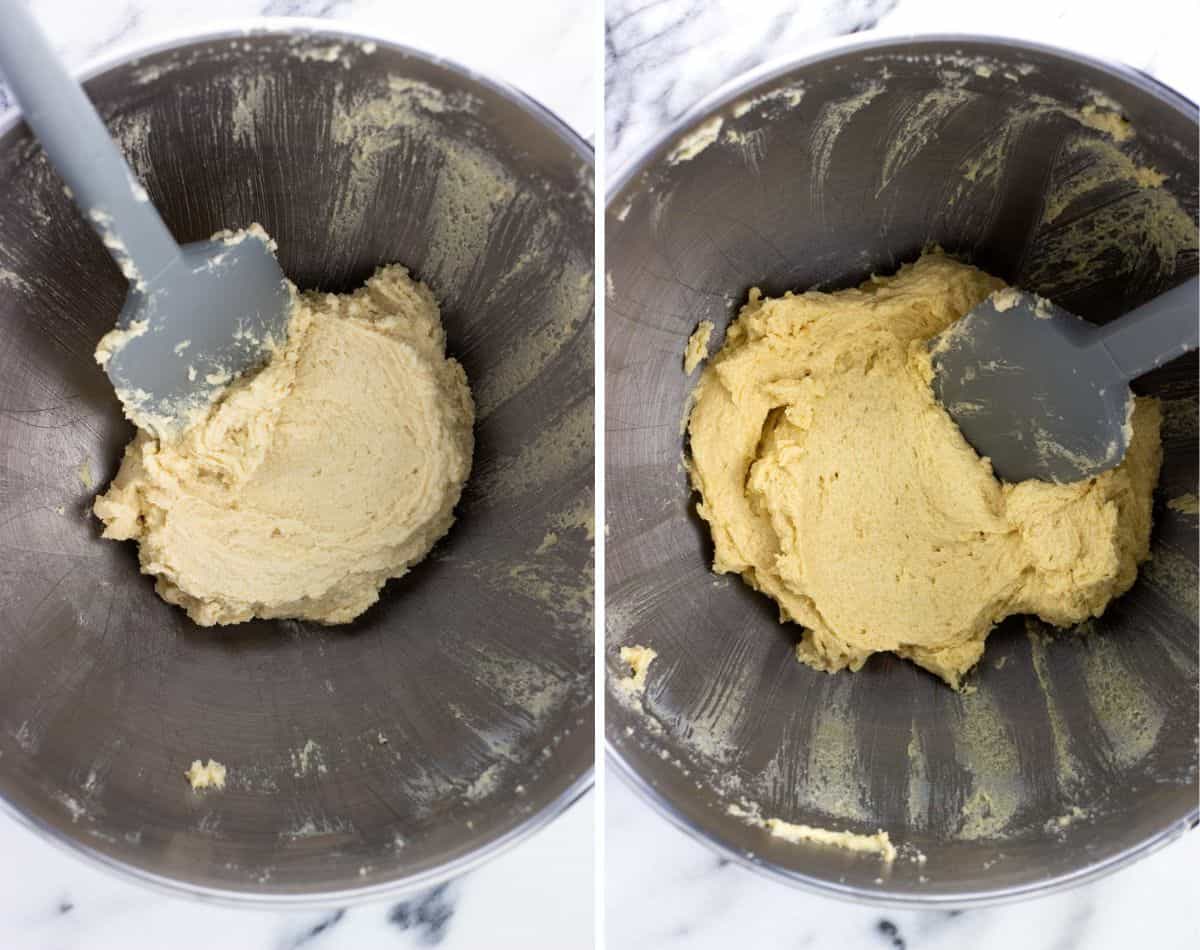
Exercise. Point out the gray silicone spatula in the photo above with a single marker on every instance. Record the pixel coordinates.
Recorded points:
(1045, 394)
(196, 315)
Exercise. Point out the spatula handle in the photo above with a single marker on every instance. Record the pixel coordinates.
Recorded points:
(78, 144)
(1156, 332)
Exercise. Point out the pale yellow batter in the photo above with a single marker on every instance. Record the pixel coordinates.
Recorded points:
(314, 480)
(833, 481)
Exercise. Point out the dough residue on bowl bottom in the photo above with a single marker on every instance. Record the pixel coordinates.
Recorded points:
(833, 481)
(879, 843)
(314, 480)
(639, 659)
(1186, 504)
(210, 774)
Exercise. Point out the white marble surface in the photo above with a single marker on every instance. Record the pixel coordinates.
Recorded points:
(663, 888)
(538, 895)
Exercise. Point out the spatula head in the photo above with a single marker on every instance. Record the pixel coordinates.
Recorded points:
(1019, 377)
(216, 312)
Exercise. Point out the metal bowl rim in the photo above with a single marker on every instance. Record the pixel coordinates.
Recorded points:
(126, 55)
(896, 899)
(727, 93)
(778, 67)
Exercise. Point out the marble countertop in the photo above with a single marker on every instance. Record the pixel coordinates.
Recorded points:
(661, 58)
(537, 895)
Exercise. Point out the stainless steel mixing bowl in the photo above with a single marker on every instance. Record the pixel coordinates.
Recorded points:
(454, 716)
(1077, 750)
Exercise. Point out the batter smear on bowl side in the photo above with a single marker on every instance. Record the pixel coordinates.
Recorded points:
(833, 481)
(312, 481)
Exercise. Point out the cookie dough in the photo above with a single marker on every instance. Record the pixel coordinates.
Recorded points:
(879, 843)
(312, 481)
(696, 351)
(833, 481)
(206, 775)
(639, 659)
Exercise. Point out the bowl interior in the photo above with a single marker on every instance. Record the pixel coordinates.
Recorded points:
(1073, 749)
(454, 712)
